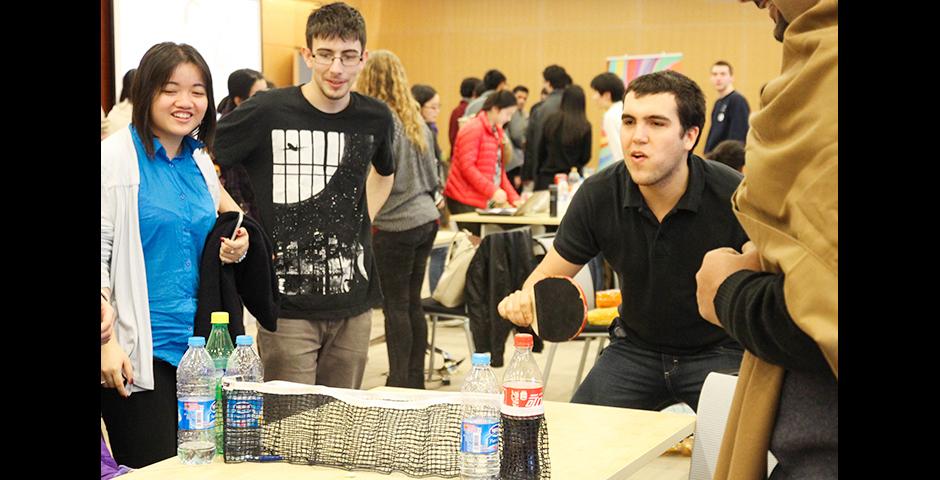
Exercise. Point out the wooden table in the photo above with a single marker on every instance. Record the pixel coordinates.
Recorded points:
(585, 442)
(534, 219)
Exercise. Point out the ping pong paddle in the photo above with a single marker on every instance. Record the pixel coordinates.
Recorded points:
(560, 309)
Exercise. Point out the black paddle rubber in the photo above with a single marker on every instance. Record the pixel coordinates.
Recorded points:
(560, 309)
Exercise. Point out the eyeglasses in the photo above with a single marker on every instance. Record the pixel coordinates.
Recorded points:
(347, 59)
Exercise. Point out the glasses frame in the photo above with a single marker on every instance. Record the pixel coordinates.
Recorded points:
(342, 60)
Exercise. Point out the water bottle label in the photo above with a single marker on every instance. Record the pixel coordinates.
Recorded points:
(522, 402)
(192, 415)
(244, 412)
(479, 437)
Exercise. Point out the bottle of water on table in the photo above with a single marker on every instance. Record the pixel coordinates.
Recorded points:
(195, 395)
(243, 412)
(220, 348)
(479, 432)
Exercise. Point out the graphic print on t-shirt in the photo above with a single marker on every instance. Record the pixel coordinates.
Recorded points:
(317, 185)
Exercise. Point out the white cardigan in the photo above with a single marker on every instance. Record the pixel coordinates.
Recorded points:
(122, 254)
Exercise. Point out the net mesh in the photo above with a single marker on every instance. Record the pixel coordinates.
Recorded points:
(356, 430)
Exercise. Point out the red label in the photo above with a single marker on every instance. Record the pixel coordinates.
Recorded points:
(522, 397)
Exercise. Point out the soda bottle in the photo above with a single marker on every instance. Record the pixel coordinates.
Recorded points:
(244, 408)
(479, 430)
(522, 413)
(195, 403)
(219, 347)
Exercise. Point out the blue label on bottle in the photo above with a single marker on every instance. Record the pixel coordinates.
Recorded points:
(479, 435)
(243, 412)
(195, 415)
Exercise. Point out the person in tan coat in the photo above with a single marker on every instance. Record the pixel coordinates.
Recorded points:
(779, 297)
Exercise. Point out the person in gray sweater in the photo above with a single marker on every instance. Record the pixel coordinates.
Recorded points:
(404, 229)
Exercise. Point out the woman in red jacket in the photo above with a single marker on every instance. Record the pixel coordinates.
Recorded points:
(477, 177)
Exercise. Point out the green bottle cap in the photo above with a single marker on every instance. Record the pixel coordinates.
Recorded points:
(219, 317)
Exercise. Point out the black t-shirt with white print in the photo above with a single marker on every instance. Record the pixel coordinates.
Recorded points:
(308, 169)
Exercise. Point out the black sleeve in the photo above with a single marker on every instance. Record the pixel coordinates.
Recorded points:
(575, 240)
(586, 152)
(752, 309)
(532, 137)
(239, 134)
(382, 160)
(740, 111)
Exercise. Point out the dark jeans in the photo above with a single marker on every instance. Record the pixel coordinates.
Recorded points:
(401, 258)
(626, 375)
(456, 207)
(142, 427)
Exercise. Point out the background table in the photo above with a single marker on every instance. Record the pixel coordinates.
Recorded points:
(585, 442)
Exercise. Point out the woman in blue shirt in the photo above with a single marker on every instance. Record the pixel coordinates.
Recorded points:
(159, 200)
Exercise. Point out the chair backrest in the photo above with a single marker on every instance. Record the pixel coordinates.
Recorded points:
(713, 407)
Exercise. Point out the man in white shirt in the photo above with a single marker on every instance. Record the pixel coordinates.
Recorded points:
(608, 93)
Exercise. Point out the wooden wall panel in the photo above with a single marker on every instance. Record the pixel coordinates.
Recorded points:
(442, 41)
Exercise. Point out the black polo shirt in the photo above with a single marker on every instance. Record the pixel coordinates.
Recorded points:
(656, 262)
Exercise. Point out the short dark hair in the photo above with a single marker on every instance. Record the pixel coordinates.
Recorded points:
(478, 89)
(127, 86)
(336, 20)
(492, 79)
(690, 101)
(520, 88)
(500, 99)
(155, 69)
(467, 86)
(556, 76)
(423, 93)
(728, 152)
(722, 63)
(608, 82)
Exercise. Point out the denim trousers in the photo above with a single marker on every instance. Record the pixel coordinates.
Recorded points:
(401, 258)
(627, 375)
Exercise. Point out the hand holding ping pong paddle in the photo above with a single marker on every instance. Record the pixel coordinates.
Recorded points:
(555, 308)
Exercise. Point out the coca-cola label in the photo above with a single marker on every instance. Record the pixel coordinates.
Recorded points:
(522, 402)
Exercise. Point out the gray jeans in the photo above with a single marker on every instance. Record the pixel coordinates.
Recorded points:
(317, 352)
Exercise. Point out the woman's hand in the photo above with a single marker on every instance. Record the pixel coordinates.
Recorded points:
(233, 251)
(499, 197)
(115, 367)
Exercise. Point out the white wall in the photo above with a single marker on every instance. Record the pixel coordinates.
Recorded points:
(226, 32)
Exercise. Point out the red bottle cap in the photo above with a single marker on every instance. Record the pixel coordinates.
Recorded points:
(523, 340)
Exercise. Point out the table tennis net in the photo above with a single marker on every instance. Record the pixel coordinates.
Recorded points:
(418, 435)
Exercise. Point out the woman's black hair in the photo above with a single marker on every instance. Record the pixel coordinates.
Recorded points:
(423, 93)
(570, 121)
(127, 87)
(500, 99)
(239, 85)
(155, 69)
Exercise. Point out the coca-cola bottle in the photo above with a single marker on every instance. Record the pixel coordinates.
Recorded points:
(522, 414)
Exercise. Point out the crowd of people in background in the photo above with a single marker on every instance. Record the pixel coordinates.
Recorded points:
(352, 229)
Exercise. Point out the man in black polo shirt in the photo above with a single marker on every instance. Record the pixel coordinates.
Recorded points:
(653, 217)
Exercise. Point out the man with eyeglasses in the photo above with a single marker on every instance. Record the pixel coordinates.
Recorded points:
(319, 157)
(779, 299)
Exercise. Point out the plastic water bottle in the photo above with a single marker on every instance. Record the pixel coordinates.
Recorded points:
(574, 181)
(219, 347)
(479, 430)
(195, 403)
(243, 409)
(522, 413)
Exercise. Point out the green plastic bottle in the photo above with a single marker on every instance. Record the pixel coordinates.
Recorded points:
(219, 347)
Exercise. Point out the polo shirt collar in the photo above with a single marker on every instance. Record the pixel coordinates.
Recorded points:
(190, 144)
(690, 200)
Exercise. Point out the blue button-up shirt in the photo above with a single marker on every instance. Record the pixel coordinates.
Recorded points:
(176, 214)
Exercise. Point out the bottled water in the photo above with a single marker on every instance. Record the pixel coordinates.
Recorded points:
(243, 412)
(219, 347)
(479, 432)
(522, 413)
(195, 394)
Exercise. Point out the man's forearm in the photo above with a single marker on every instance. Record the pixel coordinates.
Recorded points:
(377, 190)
